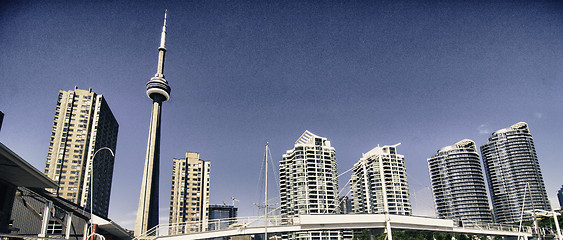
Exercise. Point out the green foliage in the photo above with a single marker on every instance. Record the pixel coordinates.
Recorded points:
(364, 235)
(414, 235)
(542, 222)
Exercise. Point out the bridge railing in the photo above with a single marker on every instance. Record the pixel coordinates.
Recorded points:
(259, 221)
(495, 227)
(210, 225)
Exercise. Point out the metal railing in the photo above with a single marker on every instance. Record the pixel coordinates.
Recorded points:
(494, 227)
(241, 223)
(210, 226)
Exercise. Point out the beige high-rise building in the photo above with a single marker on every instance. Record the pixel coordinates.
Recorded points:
(83, 123)
(189, 197)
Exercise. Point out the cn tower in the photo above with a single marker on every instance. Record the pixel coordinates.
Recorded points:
(159, 91)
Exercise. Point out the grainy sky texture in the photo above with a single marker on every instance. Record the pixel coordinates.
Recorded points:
(243, 73)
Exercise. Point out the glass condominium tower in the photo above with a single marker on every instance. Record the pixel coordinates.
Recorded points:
(381, 166)
(83, 123)
(458, 184)
(513, 173)
(309, 183)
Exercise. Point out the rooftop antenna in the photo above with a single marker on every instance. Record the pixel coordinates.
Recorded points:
(234, 200)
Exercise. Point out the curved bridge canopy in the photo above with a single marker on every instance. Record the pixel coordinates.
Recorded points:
(354, 221)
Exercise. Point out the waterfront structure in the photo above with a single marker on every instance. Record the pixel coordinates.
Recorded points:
(28, 211)
(379, 183)
(560, 197)
(158, 91)
(189, 196)
(83, 123)
(221, 216)
(309, 182)
(458, 184)
(511, 165)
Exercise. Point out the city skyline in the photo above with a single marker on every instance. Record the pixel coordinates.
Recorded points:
(360, 74)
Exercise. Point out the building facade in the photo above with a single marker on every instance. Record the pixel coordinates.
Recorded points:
(221, 216)
(379, 182)
(458, 184)
(511, 165)
(189, 197)
(309, 182)
(83, 123)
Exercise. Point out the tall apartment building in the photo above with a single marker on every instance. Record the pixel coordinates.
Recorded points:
(458, 184)
(83, 123)
(309, 182)
(511, 163)
(189, 197)
(380, 177)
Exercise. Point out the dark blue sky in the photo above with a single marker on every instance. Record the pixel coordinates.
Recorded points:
(361, 73)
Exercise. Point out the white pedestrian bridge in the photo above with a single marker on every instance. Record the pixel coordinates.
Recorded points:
(276, 225)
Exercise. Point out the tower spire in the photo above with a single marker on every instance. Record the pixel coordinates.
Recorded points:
(157, 87)
(163, 36)
(162, 49)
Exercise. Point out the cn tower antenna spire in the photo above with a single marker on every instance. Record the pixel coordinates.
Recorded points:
(158, 91)
(162, 49)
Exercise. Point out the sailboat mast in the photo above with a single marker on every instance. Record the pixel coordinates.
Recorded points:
(266, 196)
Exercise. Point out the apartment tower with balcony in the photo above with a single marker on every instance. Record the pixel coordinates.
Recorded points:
(458, 184)
(513, 173)
(83, 123)
(189, 196)
(309, 183)
(379, 183)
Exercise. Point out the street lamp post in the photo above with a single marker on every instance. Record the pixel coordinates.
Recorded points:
(92, 187)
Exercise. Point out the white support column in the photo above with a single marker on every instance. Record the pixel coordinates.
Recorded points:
(68, 225)
(557, 225)
(86, 230)
(45, 220)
